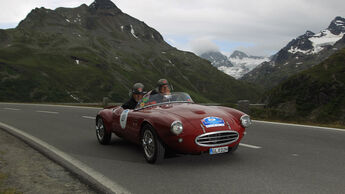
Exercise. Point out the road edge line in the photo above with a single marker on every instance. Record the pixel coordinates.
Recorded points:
(86, 174)
(299, 125)
(52, 105)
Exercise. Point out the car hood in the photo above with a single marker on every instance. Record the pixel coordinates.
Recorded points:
(195, 113)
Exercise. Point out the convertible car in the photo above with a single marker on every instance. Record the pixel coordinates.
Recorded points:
(175, 123)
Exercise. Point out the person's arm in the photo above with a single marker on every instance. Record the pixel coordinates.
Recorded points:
(126, 105)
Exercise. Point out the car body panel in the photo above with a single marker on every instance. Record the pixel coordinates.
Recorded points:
(160, 117)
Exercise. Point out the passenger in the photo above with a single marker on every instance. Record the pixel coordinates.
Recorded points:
(136, 95)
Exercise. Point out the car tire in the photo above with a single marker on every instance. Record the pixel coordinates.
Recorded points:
(153, 148)
(233, 149)
(102, 134)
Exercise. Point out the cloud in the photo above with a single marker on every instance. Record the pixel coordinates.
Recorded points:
(14, 11)
(8, 25)
(202, 45)
(267, 24)
(52, 4)
(260, 27)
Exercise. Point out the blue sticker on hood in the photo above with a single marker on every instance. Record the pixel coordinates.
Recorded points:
(212, 122)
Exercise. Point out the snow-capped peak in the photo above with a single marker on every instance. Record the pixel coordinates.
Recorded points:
(238, 54)
(243, 63)
(324, 38)
(309, 33)
(337, 25)
(216, 58)
(311, 43)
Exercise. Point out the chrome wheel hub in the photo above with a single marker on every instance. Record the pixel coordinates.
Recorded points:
(148, 143)
(100, 129)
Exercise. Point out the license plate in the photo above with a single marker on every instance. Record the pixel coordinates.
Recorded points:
(219, 150)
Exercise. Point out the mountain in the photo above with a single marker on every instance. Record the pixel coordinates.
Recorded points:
(217, 59)
(243, 64)
(238, 54)
(86, 53)
(316, 94)
(299, 54)
(241, 55)
(238, 64)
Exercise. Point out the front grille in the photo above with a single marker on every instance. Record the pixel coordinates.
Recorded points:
(217, 138)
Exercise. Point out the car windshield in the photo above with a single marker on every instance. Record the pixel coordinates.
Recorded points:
(157, 99)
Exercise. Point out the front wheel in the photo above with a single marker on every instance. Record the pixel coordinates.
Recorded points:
(102, 134)
(153, 148)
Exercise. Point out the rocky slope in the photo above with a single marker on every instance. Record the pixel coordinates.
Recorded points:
(85, 53)
(217, 59)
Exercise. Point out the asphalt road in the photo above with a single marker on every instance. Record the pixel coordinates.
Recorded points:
(273, 158)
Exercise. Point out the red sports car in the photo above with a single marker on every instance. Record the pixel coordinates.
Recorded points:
(174, 122)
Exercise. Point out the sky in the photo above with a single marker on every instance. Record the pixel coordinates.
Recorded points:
(257, 27)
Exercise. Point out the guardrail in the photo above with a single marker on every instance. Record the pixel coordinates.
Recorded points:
(244, 106)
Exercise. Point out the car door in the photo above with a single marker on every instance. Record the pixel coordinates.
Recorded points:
(133, 125)
(124, 123)
(118, 124)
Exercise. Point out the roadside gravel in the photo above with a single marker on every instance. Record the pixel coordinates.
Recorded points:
(24, 170)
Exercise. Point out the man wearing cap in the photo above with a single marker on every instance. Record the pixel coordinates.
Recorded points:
(136, 95)
(162, 87)
(162, 92)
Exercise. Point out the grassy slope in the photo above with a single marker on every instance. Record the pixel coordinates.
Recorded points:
(41, 67)
(317, 94)
(38, 61)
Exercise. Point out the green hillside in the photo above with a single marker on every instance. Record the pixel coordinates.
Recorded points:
(83, 54)
(317, 94)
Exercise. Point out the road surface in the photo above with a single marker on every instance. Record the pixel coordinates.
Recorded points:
(273, 158)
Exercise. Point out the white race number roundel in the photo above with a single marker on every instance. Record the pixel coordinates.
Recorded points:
(123, 118)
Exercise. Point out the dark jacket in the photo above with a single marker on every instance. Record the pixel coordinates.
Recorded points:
(131, 104)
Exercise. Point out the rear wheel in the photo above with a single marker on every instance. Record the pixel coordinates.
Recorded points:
(153, 148)
(102, 134)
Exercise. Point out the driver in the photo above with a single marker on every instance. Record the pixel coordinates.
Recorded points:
(136, 95)
(162, 91)
(162, 88)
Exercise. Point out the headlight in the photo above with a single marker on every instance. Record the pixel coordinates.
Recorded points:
(176, 127)
(245, 121)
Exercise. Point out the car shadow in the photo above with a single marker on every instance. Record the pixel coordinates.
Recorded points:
(202, 160)
(123, 150)
(174, 159)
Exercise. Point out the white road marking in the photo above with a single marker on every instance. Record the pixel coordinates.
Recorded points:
(53, 105)
(48, 112)
(250, 146)
(11, 109)
(88, 117)
(107, 183)
(298, 125)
